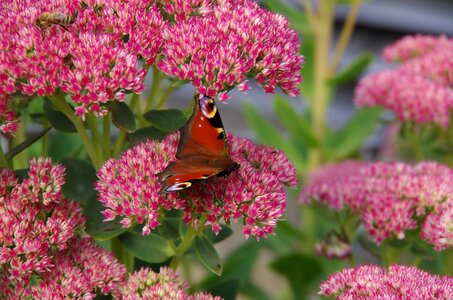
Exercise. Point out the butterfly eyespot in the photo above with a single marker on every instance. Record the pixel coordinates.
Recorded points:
(178, 186)
(208, 108)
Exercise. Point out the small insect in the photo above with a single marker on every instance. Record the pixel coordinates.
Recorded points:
(202, 151)
(47, 19)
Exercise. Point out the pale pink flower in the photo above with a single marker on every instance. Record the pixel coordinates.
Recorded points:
(399, 282)
(216, 51)
(35, 221)
(438, 227)
(148, 285)
(129, 188)
(419, 90)
(410, 96)
(410, 47)
(79, 272)
(390, 197)
(8, 122)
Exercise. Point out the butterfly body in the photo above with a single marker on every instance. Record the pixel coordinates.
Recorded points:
(202, 151)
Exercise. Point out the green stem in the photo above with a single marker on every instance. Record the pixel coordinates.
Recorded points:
(447, 266)
(20, 161)
(164, 96)
(59, 102)
(389, 254)
(182, 248)
(155, 87)
(414, 139)
(3, 161)
(346, 33)
(323, 35)
(92, 123)
(106, 139)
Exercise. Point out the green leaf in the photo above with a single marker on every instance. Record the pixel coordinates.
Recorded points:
(21, 174)
(168, 231)
(224, 232)
(146, 133)
(253, 291)
(150, 248)
(226, 289)
(238, 264)
(167, 120)
(300, 270)
(353, 71)
(80, 178)
(95, 224)
(57, 119)
(297, 17)
(122, 116)
(268, 135)
(352, 136)
(296, 124)
(25, 144)
(63, 145)
(208, 254)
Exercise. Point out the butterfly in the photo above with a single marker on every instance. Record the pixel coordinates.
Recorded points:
(203, 149)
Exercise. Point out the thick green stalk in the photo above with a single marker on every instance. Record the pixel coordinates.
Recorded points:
(92, 123)
(20, 161)
(3, 161)
(346, 33)
(155, 87)
(59, 102)
(106, 138)
(323, 35)
(182, 248)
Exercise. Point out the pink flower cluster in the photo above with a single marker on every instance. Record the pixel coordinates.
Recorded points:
(398, 282)
(129, 188)
(390, 197)
(94, 56)
(236, 38)
(419, 90)
(38, 229)
(79, 272)
(165, 285)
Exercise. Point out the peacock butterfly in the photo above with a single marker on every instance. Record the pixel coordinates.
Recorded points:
(202, 151)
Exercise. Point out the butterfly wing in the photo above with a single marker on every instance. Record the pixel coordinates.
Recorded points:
(202, 151)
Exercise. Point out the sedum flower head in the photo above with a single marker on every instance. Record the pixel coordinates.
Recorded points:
(398, 282)
(410, 96)
(390, 197)
(216, 52)
(35, 222)
(79, 272)
(419, 90)
(413, 46)
(129, 188)
(146, 284)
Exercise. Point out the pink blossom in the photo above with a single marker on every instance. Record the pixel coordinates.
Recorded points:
(390, 197)
(410, 96)
(216, 51)
(399, 282)
(35, 221)
(145, 284)
(79, 272)
(129, 188)
(419, 90)
(438, 227)
(410, 47)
